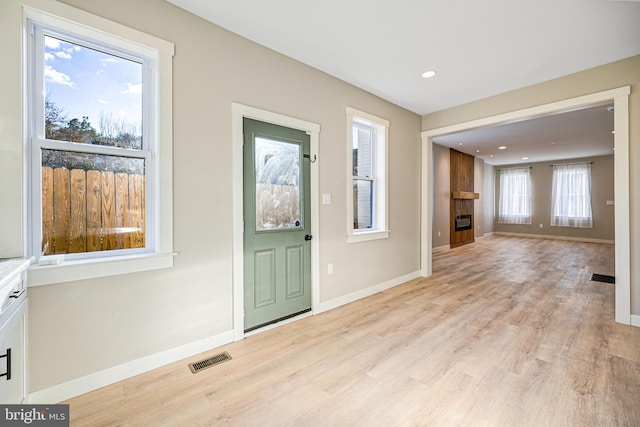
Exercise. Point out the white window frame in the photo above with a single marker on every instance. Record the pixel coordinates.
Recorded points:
(79, 26)
(380, 205)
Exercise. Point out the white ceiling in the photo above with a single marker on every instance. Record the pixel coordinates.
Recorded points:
(478, 48)
(582, 133)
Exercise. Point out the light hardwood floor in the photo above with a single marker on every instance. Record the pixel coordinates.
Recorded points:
(507, 332)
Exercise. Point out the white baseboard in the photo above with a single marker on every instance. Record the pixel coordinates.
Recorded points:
(99, 379)
(490, 233)
(441, 249)
(544, 236)
(346, 299)
(635, 320)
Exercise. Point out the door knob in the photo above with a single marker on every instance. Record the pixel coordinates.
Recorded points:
(308, 237)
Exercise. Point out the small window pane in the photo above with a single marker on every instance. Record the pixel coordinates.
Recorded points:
(91, 97)
(362, 204)
(278, 198)
(91, 202)
(363, 138)
(571, 196)
(514, 204)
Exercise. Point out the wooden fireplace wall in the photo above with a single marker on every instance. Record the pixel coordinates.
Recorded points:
(462, 196)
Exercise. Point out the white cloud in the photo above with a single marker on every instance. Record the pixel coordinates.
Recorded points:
(55, 76)
(102, 101)
(133, 89)
(63, 55)
(52, 43)
(110, 59)
(48, 56)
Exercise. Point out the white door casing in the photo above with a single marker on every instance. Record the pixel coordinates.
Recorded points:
(238, 113)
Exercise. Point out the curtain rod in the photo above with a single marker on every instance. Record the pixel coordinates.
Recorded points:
(564, 164)
(515, 167)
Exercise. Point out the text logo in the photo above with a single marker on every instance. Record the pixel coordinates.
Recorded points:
(34, 415)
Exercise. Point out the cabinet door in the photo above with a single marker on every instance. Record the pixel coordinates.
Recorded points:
(13, 337)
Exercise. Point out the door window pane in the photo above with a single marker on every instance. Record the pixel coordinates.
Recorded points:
(278, 197)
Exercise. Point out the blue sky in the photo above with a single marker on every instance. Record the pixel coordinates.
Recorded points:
(86, 82)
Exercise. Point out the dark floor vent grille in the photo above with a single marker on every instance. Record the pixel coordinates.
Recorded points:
(207, 363)
(603, 278)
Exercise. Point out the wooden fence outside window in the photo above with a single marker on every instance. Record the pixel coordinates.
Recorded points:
(90, 210)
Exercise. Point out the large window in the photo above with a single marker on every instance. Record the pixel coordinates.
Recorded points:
(96, 145)
(571, 195)
(367, 143)
(94, 158)
(515, 196)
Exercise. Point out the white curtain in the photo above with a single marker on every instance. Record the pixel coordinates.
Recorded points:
(515, 196)
(571, 196)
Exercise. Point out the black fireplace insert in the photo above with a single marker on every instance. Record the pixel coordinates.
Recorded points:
(463, 222)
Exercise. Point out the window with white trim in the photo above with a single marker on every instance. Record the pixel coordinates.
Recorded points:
(367, 190)
(514, 203)
(95, 143)
(571, 195)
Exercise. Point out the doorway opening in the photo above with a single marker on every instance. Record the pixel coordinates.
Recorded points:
(620, 99)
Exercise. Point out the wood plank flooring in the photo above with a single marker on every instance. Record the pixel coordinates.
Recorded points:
(507, 332)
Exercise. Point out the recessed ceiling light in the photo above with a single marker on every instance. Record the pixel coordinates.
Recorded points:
(613, 131)
(491, 155)
(553, 143)
(525, 158)
(502, 147)
(477, 151)
(428, 74)
(459, 143)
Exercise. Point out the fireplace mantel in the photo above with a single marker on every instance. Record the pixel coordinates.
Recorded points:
(464, 195)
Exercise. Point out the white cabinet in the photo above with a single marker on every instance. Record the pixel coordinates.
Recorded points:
(12, 357)
(13, 331)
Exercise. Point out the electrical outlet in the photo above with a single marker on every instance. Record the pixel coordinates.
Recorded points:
(329, 268)
(541, 226)
(439, 234)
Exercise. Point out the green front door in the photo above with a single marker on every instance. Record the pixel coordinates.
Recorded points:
(277, 224)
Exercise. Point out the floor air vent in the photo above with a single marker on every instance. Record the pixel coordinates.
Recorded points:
(207, 363)
(603, 278)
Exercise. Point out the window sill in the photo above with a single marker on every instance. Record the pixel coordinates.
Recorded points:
(364, 236)
(41, 275)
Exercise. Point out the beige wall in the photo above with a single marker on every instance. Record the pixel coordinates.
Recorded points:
(478, 204)
(441, 196)
(610, 76)
(80, 328)
(541, 180)
(488, 192)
